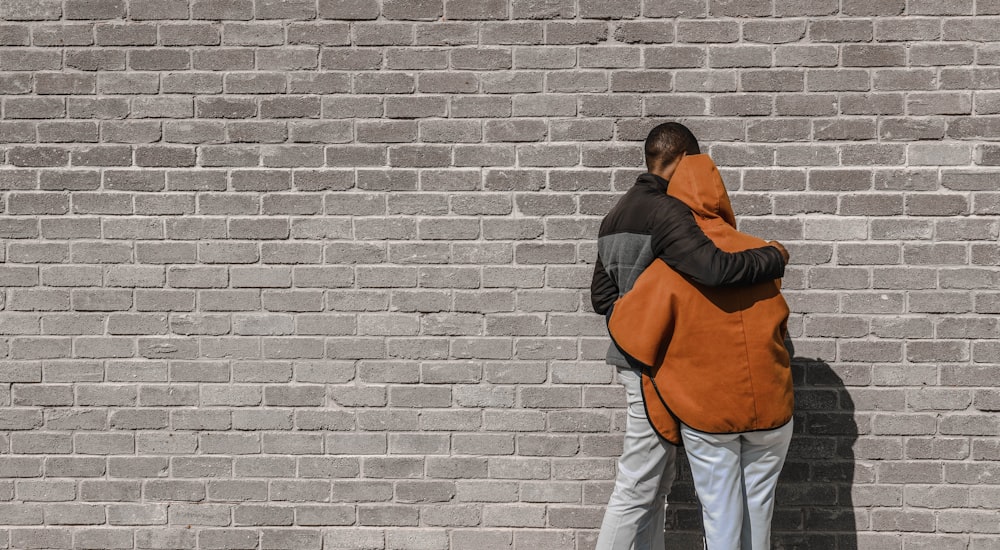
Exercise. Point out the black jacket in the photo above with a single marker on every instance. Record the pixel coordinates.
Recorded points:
(645, 224)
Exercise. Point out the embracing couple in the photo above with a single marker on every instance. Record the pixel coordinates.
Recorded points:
(698, 325)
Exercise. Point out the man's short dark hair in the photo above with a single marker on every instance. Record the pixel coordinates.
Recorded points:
(668, 140)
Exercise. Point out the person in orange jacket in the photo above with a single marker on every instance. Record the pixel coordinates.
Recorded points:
(648, 225)
(716, 372)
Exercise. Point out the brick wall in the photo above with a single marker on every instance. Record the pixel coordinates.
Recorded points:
(314, 273)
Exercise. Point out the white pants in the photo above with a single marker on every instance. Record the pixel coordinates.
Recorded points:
(635, 517)
(735, 476)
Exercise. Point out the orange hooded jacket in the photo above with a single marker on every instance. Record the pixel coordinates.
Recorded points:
(712, 357)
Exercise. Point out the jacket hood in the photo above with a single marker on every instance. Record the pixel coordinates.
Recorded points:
(697, 183)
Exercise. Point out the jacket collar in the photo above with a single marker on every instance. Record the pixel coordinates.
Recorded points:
(653, 181)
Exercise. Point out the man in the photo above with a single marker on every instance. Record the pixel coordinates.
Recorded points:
(644, 225)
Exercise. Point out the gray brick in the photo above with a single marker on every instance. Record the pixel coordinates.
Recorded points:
(707, 31)
(791, 8)
(834, 30)
(464, 9)
(504, 33)
(779, 81)
(773, 32)
(362, 539)
(739, 56)
(575, 33)
(445, 33)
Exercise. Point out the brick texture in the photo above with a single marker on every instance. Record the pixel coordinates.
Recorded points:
(303, 274)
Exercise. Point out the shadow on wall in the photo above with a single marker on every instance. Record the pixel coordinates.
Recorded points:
(815, 509)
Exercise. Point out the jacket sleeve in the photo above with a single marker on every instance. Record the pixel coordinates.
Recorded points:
(603, 291)
(678, 241)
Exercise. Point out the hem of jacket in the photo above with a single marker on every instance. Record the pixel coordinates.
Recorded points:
(680, 442)
(671, 412)
(688, 424)
(775, 427)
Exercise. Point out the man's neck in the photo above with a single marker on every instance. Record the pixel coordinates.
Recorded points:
(662, 174)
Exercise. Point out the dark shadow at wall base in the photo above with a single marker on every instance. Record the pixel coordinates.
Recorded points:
(814, 506)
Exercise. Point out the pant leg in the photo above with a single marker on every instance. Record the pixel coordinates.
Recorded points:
(651, 534)
(763, 455)
(635, 517)
(715, 469)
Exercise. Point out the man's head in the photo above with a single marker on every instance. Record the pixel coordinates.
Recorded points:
(665, 144)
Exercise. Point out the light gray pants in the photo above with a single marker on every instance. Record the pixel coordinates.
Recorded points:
(735, 476)
(635, 516)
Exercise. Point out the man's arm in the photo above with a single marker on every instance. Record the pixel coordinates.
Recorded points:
(603, 291)
(679, 242)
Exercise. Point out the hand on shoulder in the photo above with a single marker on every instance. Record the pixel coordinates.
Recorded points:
(781, 248)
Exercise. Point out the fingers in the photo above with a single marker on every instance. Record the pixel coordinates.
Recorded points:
(781, 248)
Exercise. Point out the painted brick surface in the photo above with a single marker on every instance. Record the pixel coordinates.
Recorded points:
(303, 274)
